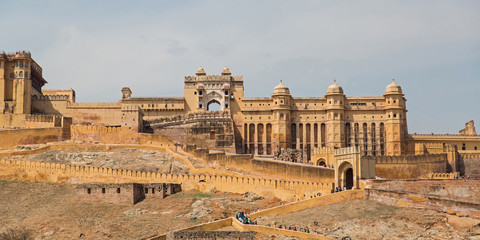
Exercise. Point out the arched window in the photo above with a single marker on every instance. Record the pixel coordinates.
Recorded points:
(356, 133)
(374, 140)
(347, 134)
(382, 139)
(26, 74)
(365, 139)
(21, 74)
(293, 133)
(323, 134)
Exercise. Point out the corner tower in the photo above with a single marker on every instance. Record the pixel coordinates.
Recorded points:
(335, 115)
(282, 101)
(396, 119)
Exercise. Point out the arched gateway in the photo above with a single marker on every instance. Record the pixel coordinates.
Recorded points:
(350, 168)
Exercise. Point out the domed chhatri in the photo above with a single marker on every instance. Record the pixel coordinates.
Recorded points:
(335, 88)
(200, 86)
(226, 72)
(201, 72)
(281, 89)
(393, 88)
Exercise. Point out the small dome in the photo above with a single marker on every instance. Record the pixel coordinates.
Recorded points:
(281, 89)
(393, 88)
(200, 86)
(335, 88)
(226, 86)
(226, 71)
(201, 72)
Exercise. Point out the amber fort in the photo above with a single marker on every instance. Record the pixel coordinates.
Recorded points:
(305, 151)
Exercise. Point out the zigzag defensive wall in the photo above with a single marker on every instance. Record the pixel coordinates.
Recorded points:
(35, 171)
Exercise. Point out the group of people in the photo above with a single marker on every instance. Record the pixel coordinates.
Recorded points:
(243, 218)
(294, 228)
(339, 189)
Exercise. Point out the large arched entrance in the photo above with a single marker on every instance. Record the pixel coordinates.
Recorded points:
(213, 105)
(348, 178)
(345, 176)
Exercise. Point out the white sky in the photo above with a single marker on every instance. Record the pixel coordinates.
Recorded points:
(431, 48)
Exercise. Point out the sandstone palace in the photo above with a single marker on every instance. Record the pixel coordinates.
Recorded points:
(279, 127)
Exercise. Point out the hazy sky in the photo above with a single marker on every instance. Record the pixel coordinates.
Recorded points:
(431, 48)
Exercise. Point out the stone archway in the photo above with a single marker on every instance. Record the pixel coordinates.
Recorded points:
(214, 105)
(348, 178)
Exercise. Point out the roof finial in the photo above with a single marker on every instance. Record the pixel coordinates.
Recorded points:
(393, 79)
(281, 81)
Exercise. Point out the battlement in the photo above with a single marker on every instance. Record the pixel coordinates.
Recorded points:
(114, 105)
(410, 159)
(93, 128)
(189, 118)
(347, 150)
(16, 55)
(323, 150)
(51, 98)
(131, 108)
(54, 172)
(42, 118)
(213, 78)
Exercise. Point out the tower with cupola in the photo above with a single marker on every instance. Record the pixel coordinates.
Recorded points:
(335, 114)
(396, 119)
(281, 100)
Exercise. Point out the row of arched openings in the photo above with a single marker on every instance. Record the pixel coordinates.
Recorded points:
(373, 145)
(262, 133)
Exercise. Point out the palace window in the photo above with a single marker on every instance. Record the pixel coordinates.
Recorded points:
(464, 147)
(200, 93)
(103, 190)
(89, 191)
(226, 92)
(394, 115)
(118, 190)
(226, 105)
(200, 106)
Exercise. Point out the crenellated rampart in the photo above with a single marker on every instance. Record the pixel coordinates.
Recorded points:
(409, 166)
(264, 167)
(189, 118)
(103, 105)
(50, 172)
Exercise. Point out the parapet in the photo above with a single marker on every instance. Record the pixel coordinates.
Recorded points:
(323, 150)
(412, 159)
(347, 150)
(213, 78)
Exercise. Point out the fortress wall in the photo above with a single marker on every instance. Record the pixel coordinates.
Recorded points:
(277, 231)
(410, 166)
(458, 197)
(108, 114)
(50, 105)
(458, 189)
(94, 113)
(36, 171)
(471, 168)
(12, 138)
(116, 135)
(309, 203)
(270, 168)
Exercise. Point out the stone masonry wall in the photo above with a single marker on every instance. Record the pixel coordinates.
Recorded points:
(208, 235)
